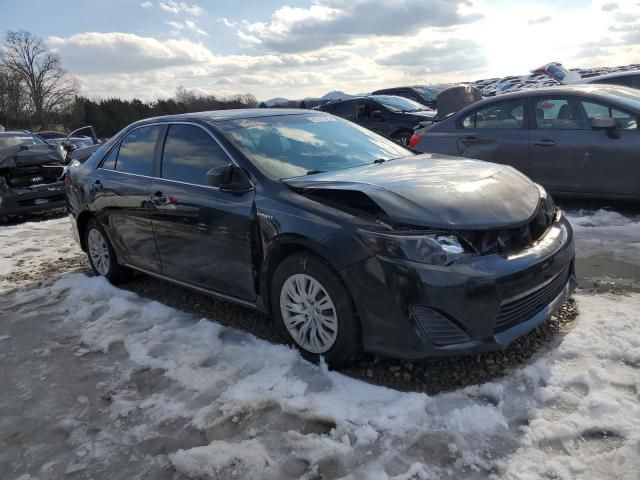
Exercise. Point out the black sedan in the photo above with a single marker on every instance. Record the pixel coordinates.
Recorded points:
(348, 239)
(391, 116)
(574, 140)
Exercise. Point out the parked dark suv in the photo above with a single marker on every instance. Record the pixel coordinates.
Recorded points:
(390, 116)
(423, 94)
(348, 239)
(30, 171)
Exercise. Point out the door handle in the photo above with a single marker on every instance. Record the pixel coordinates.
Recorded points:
(469, 139)
(159, 199)
(545, 143)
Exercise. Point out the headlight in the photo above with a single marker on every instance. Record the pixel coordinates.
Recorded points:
(424, 247)
(548, 205)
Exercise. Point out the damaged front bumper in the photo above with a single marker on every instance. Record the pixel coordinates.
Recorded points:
(37, 198)
(412, 310)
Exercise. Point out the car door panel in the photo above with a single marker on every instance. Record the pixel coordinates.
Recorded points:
(121, 198)
(204, 234)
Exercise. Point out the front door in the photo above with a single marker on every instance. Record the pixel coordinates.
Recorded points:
(203, 234)
(373, 116)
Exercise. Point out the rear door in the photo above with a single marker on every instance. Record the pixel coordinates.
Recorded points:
(498, 133)
(120, 191)
(203, 234)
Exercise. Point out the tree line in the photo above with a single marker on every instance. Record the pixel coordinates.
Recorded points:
(37, 93)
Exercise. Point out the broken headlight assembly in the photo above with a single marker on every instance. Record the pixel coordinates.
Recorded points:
(433, 248)
(548, 205)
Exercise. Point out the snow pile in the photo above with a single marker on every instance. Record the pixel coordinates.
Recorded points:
(265, 413)
(29, 245)
(606, 233)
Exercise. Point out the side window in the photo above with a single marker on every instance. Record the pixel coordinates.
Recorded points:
(502, 115)
(363, 109)
(626, 121)
(136, 151)
(189, 153)
(344, 109)
(110, 162)
(560, 114)
(594, 110)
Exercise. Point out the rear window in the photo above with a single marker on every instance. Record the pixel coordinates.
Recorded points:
(136, 151)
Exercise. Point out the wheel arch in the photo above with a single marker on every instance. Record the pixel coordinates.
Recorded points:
(284, 248)
(81, 225)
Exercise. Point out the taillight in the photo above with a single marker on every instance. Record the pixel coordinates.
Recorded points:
(414, 140)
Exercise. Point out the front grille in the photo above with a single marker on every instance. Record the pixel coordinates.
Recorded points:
(513, 312)
(487, 242)
(24, 177)
(439, 330)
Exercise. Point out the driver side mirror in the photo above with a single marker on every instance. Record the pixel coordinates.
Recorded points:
(377, 115)
(228, 178)
(606, 123)
(69, 147)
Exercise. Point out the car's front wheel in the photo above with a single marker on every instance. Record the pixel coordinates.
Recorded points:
(101, 255)
(313, 310)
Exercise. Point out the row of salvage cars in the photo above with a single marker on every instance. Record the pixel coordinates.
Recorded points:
(576, 139)
(32, 166)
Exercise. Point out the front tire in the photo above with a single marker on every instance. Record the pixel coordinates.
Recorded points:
(314, 311)
(102, 256)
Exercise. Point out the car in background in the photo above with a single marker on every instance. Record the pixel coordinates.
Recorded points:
(629, 79)
(349, 240)
(30, 171)
(47, 135)
(424, 94)
(390, 116)
(580, 140)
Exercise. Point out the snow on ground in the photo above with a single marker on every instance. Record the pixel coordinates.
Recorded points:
(28, 245)
(606, 232)
(172, 391)
(267, 414)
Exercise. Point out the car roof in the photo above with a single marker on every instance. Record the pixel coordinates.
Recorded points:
(13, 133)
(232, 114)
(584, 89)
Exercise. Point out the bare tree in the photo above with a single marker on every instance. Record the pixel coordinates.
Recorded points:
(27, 58)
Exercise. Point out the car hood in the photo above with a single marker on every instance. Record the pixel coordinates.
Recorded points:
(435, 191)
(20, 157)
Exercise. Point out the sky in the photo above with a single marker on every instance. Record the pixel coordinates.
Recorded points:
(298, 48)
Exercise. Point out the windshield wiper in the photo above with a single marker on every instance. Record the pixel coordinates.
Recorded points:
(313, 172)
(379, 160)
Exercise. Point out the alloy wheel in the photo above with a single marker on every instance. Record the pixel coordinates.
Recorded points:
(98, 251)
(308, 313)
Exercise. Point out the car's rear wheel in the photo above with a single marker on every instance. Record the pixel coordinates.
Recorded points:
(101, 255)
(313, 310)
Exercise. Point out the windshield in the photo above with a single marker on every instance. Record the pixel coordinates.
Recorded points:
(431, 92)
(81, 142)
(398, 104)
(8, 140)
(294, 145)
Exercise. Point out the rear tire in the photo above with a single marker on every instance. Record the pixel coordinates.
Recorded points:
(102, 256)
(312, 309)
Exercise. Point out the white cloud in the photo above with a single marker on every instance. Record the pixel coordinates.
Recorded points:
(125, 52)
(187, 26)
(329, 22)
(174, 7)
(146, 4)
